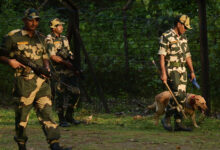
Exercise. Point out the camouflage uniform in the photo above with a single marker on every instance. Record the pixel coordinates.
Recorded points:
(175, 49)
(66, 95)
(31, 90)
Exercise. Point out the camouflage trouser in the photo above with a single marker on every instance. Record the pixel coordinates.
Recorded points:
(34, 92)
(177, 80)
(67, 97)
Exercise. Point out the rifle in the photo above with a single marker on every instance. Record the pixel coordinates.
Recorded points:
(66, 55)
(179, 107)
(35, 67)
(42, 71)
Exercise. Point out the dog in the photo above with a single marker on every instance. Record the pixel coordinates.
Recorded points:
(192, 103)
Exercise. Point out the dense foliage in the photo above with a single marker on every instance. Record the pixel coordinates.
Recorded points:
(101, 27)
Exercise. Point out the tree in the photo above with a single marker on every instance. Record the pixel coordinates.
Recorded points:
(204, 52)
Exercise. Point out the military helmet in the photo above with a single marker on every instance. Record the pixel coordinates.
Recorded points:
(55, 22)
(31, 13)
(185, 20)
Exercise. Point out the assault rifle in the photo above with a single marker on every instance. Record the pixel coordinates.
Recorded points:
(66, 55)
(35, 67)
(39, 71)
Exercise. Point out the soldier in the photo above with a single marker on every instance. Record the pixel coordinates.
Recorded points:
(174, 54)
(32, 90)
(61, 56)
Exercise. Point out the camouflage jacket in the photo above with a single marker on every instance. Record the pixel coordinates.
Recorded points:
(17, 42)
(174, 48)
(59, 46)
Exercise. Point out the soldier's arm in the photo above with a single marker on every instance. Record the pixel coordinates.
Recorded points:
(190, 65)
(11, 62)
(163, 69)
(189, 62)
(46, 64)
(4, 54)
(60, 60)
(162, 53)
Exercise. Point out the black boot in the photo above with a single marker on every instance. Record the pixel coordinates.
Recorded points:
(75, 122)
(22, 146)
(166, 122)
(56, 146)
(180, 127)
(69, 116)
(64, 124)
(62, 119)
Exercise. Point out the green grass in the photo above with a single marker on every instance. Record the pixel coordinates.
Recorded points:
(107, 131)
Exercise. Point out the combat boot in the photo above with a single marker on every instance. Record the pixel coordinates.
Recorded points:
(22, 146)
(69, 116)
(166, 122)
(62, 119)
(75, 122)
(64, 124)
(180, 127)
(56, 146)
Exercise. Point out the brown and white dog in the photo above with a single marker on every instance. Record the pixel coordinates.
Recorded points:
(193, 102)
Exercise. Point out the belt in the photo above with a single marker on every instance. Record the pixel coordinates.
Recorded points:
(177, 64)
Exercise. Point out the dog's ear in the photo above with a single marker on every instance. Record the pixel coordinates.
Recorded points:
(192, 100)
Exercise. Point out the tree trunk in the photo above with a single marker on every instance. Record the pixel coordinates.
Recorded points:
(126, 45)
(204, 52)
(126, 52)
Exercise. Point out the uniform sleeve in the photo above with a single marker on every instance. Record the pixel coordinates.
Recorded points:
(45, 54)
(6, 46)
(164, 45)
(50, 46)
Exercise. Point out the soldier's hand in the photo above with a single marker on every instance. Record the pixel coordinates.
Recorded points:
(192, 76)
(164, 77)
(15, 64)
(69, 65)
(44, 76)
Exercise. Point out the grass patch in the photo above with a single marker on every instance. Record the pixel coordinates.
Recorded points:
(108, 131)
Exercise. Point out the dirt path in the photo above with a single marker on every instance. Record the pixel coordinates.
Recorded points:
(83, 138)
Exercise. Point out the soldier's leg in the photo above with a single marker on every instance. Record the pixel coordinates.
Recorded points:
(50, 128)
(73, 101)
(181, 98)
(60, 105)
(73, 95)
(44, 113)
(21, 119)
(173, 82)
(43, 105)
(25, 88)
